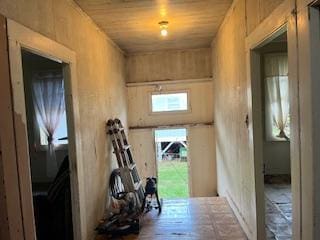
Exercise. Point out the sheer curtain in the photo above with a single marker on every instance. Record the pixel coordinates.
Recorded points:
(277, 98)
(49, 106)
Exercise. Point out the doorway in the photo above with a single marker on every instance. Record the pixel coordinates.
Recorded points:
(172, 163)
(274, 132)
(21, 39)
(47, 132)
(275, 107)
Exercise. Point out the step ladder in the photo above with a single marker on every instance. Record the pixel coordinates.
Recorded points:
(127, 167)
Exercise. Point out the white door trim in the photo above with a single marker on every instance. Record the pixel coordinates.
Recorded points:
(309, 58)
(22, 37)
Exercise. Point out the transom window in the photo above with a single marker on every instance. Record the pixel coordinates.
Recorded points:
(169, 102)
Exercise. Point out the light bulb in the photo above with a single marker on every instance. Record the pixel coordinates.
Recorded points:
(164, 32)
(164, 28)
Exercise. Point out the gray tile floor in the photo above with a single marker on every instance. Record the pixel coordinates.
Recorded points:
(278, 200)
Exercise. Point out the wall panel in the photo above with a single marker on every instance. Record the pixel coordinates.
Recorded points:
(169, 65)
(267, 6)
(101, 87)
(139, 104)
(201, 141)
(143, 150)
(235, 170)
(258, 10)
(200, 137)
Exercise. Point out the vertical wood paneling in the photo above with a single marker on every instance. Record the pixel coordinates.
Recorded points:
(201, 157)
(143, 149)
(258, 10)
(100, 81)
(267, 6)
(169, 65)
(253, 14)
(235, 170)
(235, 166)
(201, 105)
(201, 140)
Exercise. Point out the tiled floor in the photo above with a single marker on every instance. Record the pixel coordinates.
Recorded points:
(278, 211)
(190, 219)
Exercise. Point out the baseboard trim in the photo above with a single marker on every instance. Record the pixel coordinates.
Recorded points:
(239, 216)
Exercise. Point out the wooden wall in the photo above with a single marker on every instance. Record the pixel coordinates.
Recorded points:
(169, 65)
(101, 87)
(203, 178)
(257, 11)
(173, 70)
(200, 136)
(139, 104)
(235, 170)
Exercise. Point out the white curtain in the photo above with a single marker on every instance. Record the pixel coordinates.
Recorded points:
(49, 106)
(277, 99)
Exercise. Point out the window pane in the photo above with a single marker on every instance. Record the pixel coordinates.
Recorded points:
(61, 132)
(277, 118)
(170, 135)
(169, 102)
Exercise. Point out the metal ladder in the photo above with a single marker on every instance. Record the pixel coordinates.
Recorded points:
(128, 169)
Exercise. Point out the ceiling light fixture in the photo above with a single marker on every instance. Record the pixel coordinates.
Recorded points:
(164, 28)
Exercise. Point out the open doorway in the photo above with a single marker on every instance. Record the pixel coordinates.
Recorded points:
(272, 131)
(46, 115)
(172, 163)
(276, 138)
(21, 40)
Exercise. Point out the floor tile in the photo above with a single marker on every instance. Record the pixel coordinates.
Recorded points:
(190, 219)
(278, 211)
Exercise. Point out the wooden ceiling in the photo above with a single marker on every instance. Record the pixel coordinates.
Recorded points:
(133, 24)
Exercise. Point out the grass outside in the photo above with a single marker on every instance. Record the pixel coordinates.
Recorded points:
(173, 179)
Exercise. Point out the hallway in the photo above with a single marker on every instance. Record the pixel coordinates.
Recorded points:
(239, 78)
(190, 219)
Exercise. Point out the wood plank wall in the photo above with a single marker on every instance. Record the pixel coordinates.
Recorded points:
(235, 171)
(258, 10)
(169, 65)
(100, 76)
(178, 70)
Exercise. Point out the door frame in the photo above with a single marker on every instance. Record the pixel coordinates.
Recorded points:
(282, 19)
(10, 204)
(20, 37)
(308, 25)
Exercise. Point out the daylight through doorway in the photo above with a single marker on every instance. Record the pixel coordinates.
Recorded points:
(172, 163)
